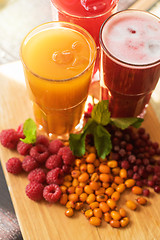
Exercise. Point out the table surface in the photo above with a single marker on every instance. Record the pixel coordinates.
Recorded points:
(17, 18)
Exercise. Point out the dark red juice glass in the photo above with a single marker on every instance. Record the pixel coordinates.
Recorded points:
(130, 61)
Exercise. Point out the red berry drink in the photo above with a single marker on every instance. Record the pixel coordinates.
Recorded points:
(89, 14)
(130, 61)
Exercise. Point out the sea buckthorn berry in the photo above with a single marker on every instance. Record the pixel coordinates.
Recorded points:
(104, 207)
(88, 213)
(63, 188)
(69, 212)
(75, 173)
(103, 168)
(114, 185)
(123, 173)
(103, 159)
(83, 177)
(115, 215)
(118, 180)
(130, 183)
(96, 163)
(111, 203)
(105, 185)
(90, 168)
(73, 197)
(78, 162)
(122, 212)
(121, 187)
(94, 177)
(101, 190)
(101, 198)
(95, 221)
(79, 190)
(91, 158)
(115, 196)
(71, 189)
(88, 189)
(83, 197)
(112, 163)
(94, 185)
(78, 205)
(124, 221)
(115, 223)
(83, 167)
(67, 184)
(141, 200)
(82, 184)
(63, 199)
(104, 177)
(107, 217)
(97, 212)
(116, 171)
(67, 178)
(70, 204)
(109, 191)
(75, 182)
(131, 205)
(94, 205)
(137, 190)
(91, 198)
(92, 149)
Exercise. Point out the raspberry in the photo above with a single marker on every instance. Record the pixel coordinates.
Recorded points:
(34, 191)
(23, 148)
(66, 169)
(14, 165)
(40, 153)
(9, 138)
(54, 161)
(20, 131)
(52, 193)
(55, 176)
(29, 163)
(67, 156)
(41, 139)
(37, 175)
(55, 145)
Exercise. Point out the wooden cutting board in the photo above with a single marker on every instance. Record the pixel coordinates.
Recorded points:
(44, 221)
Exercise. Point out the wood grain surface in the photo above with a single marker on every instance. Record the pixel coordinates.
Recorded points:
(39, 221)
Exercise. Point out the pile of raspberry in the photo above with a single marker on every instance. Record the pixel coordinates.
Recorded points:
(45, 162)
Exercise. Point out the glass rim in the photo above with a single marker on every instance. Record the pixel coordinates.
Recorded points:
(61, 24)
(88, 17)
(116, 59)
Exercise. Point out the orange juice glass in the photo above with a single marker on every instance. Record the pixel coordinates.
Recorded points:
(58, 60)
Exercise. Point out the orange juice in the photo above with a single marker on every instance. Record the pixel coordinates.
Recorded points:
(58, 60)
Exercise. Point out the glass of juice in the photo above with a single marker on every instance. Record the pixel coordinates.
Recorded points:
(58, 60)
(130, 61)
(89, 14)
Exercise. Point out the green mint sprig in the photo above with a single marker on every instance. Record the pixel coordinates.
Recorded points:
(96, 125)
(30, 131)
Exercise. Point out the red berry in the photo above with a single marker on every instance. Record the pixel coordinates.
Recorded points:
(29, 163)
(67, 155)
(66, 169)
(34, 191)
(14, 165)
(55, 176)
(23, 148)
(55, 145)
(37, 175)
(41, 139)
(40, 153)
(20, 131)
(9, 138)
(54, 161)
(52, 193)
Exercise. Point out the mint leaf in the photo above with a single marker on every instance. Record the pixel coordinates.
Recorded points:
(77, 141)
(100, 113)
(30, 131)
(102, 141)
(126, 122)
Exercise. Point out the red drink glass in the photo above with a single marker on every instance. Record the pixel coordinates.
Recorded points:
(89, 14)
(130, 61)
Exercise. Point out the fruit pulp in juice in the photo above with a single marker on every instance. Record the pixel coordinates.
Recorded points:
(53, 58)
(130, 61)
(89, 14)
